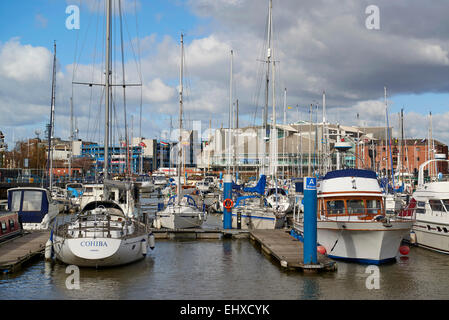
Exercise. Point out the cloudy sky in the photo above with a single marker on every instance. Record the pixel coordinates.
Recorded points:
(317, 45)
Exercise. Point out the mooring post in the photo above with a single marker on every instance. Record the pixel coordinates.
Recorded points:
(227, 194)
(310, 224)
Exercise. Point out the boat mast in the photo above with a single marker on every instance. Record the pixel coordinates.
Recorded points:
(230, 117)
(386, 132)
(127, 171)
(107, 92)
(389, 139)
(71, 138)
(51, 125)
(268, 61)
(180, 121)
(284, 135)
(309, 168)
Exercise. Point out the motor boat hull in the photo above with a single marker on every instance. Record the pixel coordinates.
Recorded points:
(364, 242)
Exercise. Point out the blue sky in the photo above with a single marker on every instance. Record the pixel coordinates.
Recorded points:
(409, 57)
(39, 22)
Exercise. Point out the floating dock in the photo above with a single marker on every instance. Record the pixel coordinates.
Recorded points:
(199, 234)
(17, 251)
(288, 251)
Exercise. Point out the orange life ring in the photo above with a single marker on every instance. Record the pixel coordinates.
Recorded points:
(228, 204)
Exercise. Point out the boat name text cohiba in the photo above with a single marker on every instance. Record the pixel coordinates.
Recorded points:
(94, 243)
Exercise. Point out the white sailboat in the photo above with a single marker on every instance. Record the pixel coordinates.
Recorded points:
(255, 212)
(106, 232)
(181, 211)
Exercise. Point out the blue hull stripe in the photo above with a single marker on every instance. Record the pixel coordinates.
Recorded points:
(363, 261)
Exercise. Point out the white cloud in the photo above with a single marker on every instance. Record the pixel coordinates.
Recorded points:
(157, 91)
(319, 45)
(24, 63)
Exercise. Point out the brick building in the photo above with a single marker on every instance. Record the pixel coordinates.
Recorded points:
(408, 155)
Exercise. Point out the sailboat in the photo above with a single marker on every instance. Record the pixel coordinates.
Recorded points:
(181, 211)
(254, 211)
(106, 232)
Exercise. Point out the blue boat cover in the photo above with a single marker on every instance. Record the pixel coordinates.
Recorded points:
(236, 186)
(75, 193)
(260, 187)
(351, 173)
(30, 216)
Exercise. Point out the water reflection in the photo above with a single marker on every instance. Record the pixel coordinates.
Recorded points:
(310, 288)
(230, 270)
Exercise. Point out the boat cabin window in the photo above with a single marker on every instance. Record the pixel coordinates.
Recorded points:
(335, 207)
(373, 206)
(355, 206)
(11, 224)
(436, 205)
(446, 204)
(32, 201)
(15, 202)
(4, 227)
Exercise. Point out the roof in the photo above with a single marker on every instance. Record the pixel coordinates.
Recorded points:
(351, 173)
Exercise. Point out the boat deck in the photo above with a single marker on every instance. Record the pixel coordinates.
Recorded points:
(17, 251)
(288, 251)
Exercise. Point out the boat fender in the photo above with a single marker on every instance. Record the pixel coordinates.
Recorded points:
(413, 237)
(151, 240)
(143, 244)
(48, 250)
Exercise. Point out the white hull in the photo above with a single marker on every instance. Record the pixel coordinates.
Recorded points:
(284, 206)
(258, 219)
(432, 236)
(368, 242)
(87, 252)
(179, 217)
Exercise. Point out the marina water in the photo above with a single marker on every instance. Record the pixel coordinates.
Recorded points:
(231, 269)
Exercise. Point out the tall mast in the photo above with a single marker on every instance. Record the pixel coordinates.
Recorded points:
(324, 141)
(71, 137)
(127, 172)
(180, 121)
(386, 132)
(389, 139)
(402, 145)
(273, 140)
(284, 135)
(230, 116)
(268, 61)
(431, 147)
(309, 168)
(107, 90)
(51, 126)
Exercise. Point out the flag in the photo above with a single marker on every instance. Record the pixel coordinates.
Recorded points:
(164, 143)
(142, 144)
(289, 107)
